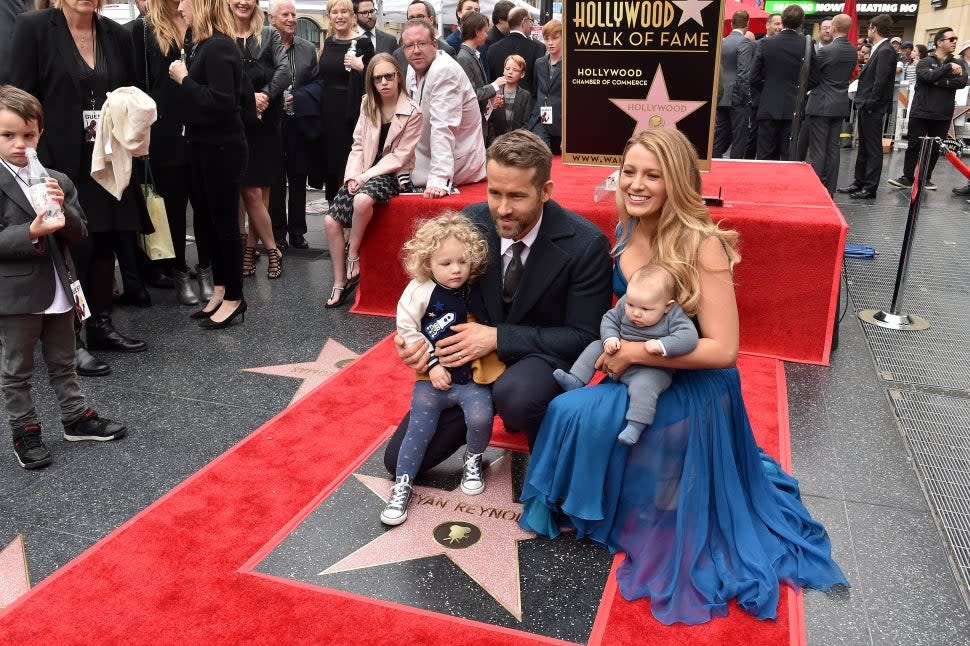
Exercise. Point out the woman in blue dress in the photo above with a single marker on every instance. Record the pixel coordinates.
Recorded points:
(702, 514)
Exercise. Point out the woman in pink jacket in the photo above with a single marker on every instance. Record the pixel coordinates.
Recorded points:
(384, 140)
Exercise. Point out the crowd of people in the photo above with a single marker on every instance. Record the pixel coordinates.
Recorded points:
(758, 107)
(509, 303)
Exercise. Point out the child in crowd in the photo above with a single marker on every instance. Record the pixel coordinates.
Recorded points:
(648, 313)
(36, 300)
(445, 255)
(546, 121)
(513, 104)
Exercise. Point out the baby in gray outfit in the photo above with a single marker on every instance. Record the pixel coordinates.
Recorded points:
(648, 313)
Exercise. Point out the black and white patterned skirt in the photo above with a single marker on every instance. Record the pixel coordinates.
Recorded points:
(381, 188)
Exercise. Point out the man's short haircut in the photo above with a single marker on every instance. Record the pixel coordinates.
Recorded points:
(274, 6)
(793, 17)
(501, 11)
(939, 34)
(428, 9)
(518, 60)
(882, 23)
(739, 19)
(23, 104)
(841, 23)
(516, 16)
(421, 22)
(551, 29)
(471, 23)
(461, 3)
(522, 149)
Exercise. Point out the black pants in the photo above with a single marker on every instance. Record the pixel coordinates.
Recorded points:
(94, 259)
(922, 128)
(731, 131)
(774, 138)
(520, 396)
(868, 162)
(287, 204)
(174, 184)
(823, 148)
(216, 175)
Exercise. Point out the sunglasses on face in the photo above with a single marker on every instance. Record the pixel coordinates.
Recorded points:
(390, 76)
(952, 39)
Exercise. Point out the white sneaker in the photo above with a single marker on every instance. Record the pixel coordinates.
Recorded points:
(472, 479)
(396, 511)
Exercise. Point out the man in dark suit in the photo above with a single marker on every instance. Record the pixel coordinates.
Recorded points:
(772, 28)
(733, 111)
(9, 10)
(547, 285)
(828, 103)
(464, 6)
(500, 22)
(775, 72)
(367, 20)
(519, 41)
(873, 98)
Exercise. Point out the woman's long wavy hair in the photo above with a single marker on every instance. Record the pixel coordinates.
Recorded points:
(161, 18)
(685, 221)
(372, 104)
(208, 17)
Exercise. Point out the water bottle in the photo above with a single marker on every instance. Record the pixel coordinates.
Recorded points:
(352, 51)
(287, 105)
(39, 198)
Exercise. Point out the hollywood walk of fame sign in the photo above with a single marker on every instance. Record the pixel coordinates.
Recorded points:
(331, 359)
(631, 65)
(457, 555)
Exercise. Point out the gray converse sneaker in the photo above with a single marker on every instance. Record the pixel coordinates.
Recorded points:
(396, 511)
(472, 480)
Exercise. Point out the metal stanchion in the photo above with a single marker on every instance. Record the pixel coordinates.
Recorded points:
(894, 318)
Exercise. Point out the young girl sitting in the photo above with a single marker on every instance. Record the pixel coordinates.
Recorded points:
(445, 255)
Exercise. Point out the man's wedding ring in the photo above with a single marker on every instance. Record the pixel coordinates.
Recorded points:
(459, 356)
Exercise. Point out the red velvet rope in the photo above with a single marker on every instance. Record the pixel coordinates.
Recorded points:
(955, 160)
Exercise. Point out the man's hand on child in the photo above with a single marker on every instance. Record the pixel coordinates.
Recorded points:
(414, 356)
(611, 345)
(440, 377)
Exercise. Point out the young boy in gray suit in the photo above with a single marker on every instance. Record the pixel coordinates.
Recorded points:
(648, 313)
(37, 304)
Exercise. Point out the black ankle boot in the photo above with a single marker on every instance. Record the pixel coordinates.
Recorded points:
(86, 364)
(102, 335)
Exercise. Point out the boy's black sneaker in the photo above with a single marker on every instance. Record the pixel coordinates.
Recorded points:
(29, 447)
(90, 426)
(901, 182)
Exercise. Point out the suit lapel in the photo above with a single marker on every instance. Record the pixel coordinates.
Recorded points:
(9, 185)
(65, 45)
(491, 282)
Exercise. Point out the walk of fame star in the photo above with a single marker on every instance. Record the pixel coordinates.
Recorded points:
(447, 523)
(331, 359)
(691, 10)
(14, 579)
(657, 110)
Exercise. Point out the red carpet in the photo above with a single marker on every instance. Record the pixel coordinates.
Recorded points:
(171, 574)
(792, 238)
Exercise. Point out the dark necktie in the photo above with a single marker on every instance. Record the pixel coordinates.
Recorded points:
(370, 37)
(513, 273)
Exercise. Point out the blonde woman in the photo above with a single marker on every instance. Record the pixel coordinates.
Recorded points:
(385, 137)
(701, 513)
(346, 53)
(267, 68)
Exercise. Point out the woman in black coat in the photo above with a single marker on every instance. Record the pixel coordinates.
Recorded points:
(70, 58)
(211, 87)
(158, 39)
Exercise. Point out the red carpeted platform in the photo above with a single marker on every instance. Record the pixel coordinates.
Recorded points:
(172, 574)
(792, 239)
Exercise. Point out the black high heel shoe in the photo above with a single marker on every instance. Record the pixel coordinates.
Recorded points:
(203, 314)
(240, 311)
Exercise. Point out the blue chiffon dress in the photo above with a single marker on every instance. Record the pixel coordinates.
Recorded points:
(703, 515)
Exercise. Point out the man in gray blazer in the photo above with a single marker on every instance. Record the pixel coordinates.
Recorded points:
(9, 10)
(733, 111)
(367, 20)
(828, 103)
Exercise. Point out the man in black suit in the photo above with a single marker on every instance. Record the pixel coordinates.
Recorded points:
(873, 98)
(775, 72)
(733, 111)
(500, 22)
(9, 10)
(367, 20)
(519, 41)
(828, 103)
(772, 28)
(547, 285)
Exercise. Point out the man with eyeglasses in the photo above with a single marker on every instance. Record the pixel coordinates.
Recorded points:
(367, 20)
(421, 10)
(518, 41)
(873, 98)
(938, 77)
(451, 150)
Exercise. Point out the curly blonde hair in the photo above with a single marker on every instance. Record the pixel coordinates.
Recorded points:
(430, 234)
(685, 222)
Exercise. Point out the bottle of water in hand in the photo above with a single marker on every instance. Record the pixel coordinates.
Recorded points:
(39, 198)
(352, 51)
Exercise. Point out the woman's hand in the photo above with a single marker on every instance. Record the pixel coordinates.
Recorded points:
(616, 364)
(262, 102)
(470, 341)
(355, 63)
(177, 71)
(414, 356)
(353, 186)
(440, 377)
